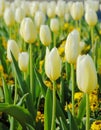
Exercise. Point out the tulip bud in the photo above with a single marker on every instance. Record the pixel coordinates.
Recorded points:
(77, 10)
(9, 17)
(91, 17)
(43, 6)
(86, 74)
(72, 47)
(34, 8)
(54, 25)
(39, 19)
(52, 64)
(12, 47)
(45, 35)
(60, 9)
(23, 61)
(92, 4)
(2, 7)
(19, 14)
(51, 9)
(28, 30)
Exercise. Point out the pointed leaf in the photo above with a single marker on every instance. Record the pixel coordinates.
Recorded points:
(72, 122)
(7, 94)
(40, 82)
(19, 113)
(48, 110)
(82, 108)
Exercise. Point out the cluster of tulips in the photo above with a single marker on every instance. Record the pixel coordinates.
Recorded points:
(34, 31)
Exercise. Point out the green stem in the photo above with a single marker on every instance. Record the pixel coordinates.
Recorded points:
(31, 70)
(92, 37)
(11, 123)
(87, 111)
(54, 40)
(15, 96)
(24, 75)
(76, 23)
(73, 86)
(53, 126)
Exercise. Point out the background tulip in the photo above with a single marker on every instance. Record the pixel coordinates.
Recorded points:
(54, 25)
(86, 74)
(39, 19)
(45, 35)
(19, 14)
(9, 17)
(23, 61)
(91, 17)
(52, 64)
(77, 10)
(72, 47)
(28, 30)
(2, 7)
(34, 8)
(12, 47)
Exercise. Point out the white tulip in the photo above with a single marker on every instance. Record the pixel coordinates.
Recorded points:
(43, 6)
(91, 17)
(9, 17)
(34, 8)
(86, 74)
(52, 64)
(19, 14)
(45, 35)
(77, 10)
(39, 18)
(92, 4)
(54, 25)
(60, 9)
(28, 30)
(23, 61)
(2, 7)
(12, 47)
(72, 47)
(51, 9)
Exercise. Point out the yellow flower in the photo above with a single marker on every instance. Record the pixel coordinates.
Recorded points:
(39, 117)
(66, 25)
(78, 96)
(48, 84)
(96, 125)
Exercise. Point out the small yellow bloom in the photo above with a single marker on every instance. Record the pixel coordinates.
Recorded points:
(96, 125)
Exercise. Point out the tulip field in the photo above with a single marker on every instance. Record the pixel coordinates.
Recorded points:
(50, 65)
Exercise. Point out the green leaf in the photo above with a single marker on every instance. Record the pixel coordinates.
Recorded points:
(63, 127)
(7, 93)
(24, 88)
(60, 113)
(21, 114)
(22, 99)
(48, 110)
(72, 121)
(40, 82)
(82, 108)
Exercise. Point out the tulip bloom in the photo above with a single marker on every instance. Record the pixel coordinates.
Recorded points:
(52, 64)
(9, 17)
(19, 14)
(72, 47)
(86, 74)
(45, 35)
(23, 61)
(54, 24)
(39, 19)
(91, 17)
(28, 30)
(12, 47)
(77, 10)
